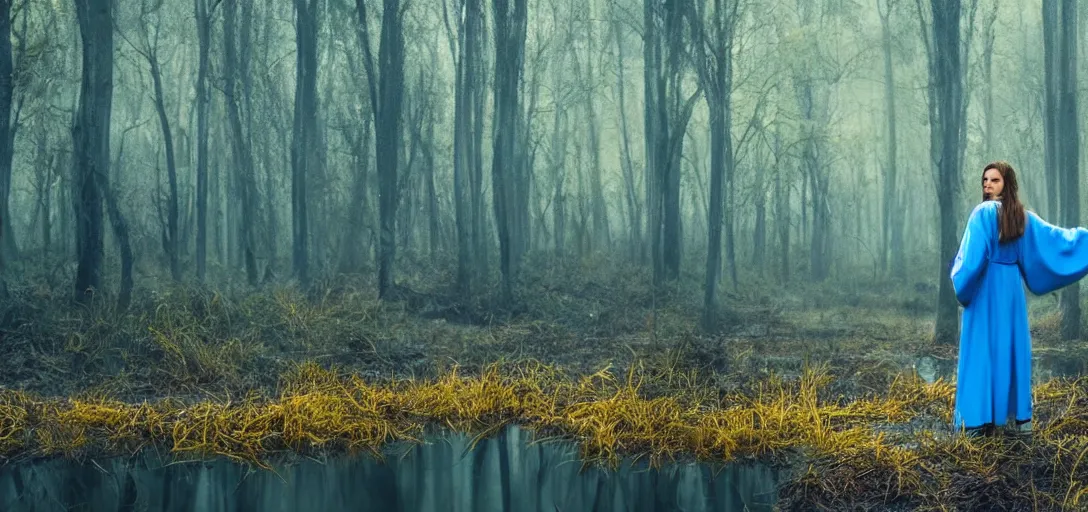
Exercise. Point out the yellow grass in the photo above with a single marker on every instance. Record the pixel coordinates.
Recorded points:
(319, 408)
(610, 417)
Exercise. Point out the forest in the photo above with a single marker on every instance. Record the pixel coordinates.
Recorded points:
(706, 230)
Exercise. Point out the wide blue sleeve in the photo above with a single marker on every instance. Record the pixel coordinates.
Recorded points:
(969, 267)
(1052, 257)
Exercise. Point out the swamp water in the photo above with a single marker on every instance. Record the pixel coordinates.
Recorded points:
(443, 474)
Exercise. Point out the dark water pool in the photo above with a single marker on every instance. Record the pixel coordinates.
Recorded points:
(503, 473)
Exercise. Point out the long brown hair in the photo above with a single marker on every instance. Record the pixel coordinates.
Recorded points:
(1010, 217)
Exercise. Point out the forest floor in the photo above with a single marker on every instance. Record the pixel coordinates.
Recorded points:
(825, 380)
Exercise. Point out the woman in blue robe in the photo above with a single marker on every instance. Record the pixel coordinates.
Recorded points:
(1004, 248)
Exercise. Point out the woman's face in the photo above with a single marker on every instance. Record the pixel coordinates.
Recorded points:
(992, 184)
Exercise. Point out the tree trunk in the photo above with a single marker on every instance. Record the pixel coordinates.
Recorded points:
(476, 85)
(892, 218)
(510, 30)
(386, 98)
(245, 178)
(581, 236)
(667, 115)
(269, 201)
(351, 245)
(730, 208)
(433, 219)
(45, 163)
(120, 233)
(221, 211)
(782, 213)
(672, 221)
(204, 28)
(170, 237)
(759, 224)
(409, 189)
(271, 222)
(598, 207)
(716, 75)
(653, 123)
(465, 52)
(462, 165)
(634, 209)
(559, 218)
(91, 138)
(817, 184)
(1069, 147)
(525, 155)
(759, 231)
(947, 95)
(989, 37)
(1051, 32)
(304, 140)
(7, 148)
(803, 226)
(388, 138)
(718, 134)
(559, 175)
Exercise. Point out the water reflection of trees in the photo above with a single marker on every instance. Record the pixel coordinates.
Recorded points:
(505, 472)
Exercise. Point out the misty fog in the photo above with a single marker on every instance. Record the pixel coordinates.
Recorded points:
(199, 198)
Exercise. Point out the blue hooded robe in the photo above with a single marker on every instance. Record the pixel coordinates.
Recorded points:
(994, 368)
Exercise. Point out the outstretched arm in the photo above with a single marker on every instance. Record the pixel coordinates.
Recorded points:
(1052, 257)
(969, 267)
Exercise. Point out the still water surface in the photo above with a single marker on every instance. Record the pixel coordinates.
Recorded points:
(503, 473)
